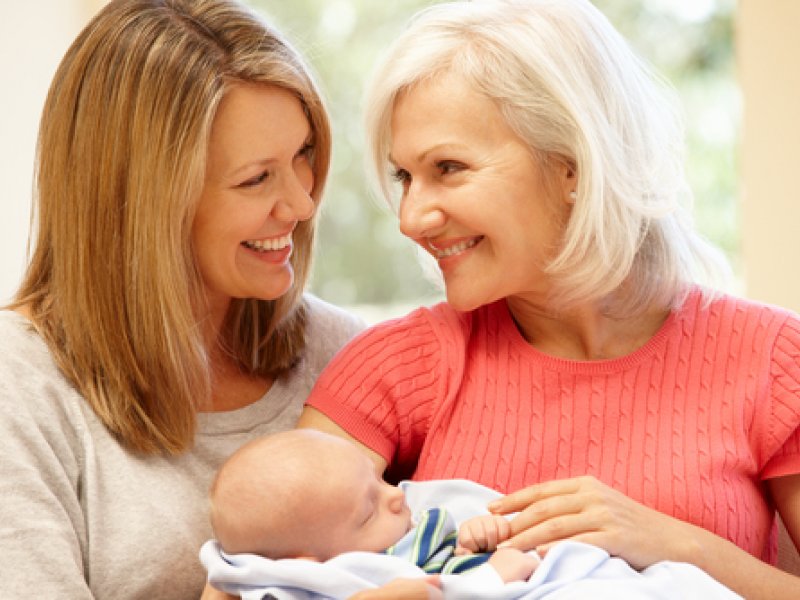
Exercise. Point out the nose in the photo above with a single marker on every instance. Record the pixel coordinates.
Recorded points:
(295, 202)
(420, 216)
(396, 499)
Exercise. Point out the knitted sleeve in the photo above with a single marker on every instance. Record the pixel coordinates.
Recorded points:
(383, 387)
(784, 434)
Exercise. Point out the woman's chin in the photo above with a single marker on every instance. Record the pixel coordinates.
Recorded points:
(465, 302)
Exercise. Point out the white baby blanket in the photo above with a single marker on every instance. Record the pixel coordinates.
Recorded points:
(570, 571)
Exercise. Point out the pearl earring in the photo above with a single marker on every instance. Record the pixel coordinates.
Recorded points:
(573, 195)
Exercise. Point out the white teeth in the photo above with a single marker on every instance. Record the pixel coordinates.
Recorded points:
(271, 244)
(456, 248)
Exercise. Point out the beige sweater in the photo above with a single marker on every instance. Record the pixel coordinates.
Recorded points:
(82, 517)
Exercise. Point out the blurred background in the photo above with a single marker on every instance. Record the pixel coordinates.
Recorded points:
(716, 52)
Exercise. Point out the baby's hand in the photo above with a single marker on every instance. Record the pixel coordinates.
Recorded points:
(513, 565)
(482, 534)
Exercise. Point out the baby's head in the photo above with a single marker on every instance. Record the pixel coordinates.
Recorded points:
(304, 494)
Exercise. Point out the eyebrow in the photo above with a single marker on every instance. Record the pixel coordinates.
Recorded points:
(308, 140)
(424, 154)
(255, 163)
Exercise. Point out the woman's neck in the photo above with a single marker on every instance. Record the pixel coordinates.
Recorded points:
(585, 332)
(232, 386)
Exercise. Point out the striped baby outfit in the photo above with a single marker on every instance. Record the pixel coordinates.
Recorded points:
(432, 543)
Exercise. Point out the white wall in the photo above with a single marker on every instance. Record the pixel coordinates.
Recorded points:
(33, 38)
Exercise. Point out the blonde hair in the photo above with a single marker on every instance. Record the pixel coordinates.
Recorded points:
(112, 285)
(570, 86)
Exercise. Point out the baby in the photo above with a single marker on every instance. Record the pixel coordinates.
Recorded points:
(308, 495)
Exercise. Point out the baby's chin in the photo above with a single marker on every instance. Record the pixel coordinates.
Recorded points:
(409, 525)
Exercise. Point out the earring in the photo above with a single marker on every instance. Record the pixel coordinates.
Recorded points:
(573, 195)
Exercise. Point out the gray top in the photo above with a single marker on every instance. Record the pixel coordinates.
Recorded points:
(83, 517)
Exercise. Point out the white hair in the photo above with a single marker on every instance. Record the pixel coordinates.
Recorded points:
(571, 87)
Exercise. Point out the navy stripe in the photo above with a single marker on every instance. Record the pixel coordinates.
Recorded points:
(466, 563)
(426, 537)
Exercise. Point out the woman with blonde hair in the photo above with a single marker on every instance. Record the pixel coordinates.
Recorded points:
(161, 323)
(579, 365)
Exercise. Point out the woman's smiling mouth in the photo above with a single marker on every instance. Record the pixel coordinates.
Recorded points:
(269, 245)
(453, 249)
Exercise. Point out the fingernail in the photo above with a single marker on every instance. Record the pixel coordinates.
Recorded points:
(493, 506)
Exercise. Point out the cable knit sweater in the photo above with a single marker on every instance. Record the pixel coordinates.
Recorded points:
(689, 424)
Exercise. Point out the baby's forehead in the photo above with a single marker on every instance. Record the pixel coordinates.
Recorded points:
(324, 467)
(339, 503)
(338, 450)
(354, 478)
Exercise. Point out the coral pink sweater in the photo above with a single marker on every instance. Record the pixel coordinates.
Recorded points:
(689, 424)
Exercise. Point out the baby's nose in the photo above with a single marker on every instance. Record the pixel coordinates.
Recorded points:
(397, 500)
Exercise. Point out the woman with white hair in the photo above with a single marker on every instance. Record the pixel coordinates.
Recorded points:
(579, 365)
